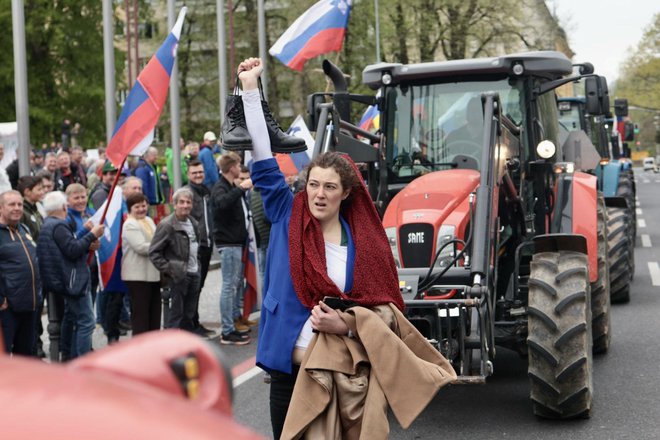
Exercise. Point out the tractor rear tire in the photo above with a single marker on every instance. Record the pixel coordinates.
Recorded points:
(619, 255)
(625, 190)
(600, 289)
(559, 340)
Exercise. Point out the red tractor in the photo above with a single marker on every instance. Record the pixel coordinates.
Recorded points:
(498, 237)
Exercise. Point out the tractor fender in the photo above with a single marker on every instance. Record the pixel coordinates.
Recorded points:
(575, 212)
(560, 242)
(608, 175)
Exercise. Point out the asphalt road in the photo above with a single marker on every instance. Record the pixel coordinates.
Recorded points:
(626, 379)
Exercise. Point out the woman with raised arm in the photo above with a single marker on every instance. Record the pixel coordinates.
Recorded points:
(326, 241)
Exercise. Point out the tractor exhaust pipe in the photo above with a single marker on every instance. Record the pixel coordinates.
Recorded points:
(340, 96)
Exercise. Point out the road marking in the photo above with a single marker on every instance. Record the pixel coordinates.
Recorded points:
(245, 371)
(639, 211)
(654, 269)
(646, 181)
(641, 223)
(646, 240)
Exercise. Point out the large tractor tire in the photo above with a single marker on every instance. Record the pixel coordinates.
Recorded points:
(559, 340)
(600, 289)
(619, 255)
(626, 190)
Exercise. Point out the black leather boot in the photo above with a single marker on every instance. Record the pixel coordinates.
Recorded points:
(281, 142)
(234, 133)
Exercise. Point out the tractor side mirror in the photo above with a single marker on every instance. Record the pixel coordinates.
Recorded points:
(591, 91)
(621, 107)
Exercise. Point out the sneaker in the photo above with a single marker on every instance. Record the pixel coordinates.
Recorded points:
(240, 327)
(234, 338)
(125, 325)
(204, 334)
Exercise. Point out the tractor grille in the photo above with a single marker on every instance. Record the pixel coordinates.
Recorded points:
(416, 244)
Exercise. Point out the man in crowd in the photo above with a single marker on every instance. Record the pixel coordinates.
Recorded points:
(20, 283)
(100, 193)
(230, 235)
(132, 185)
(67, 172)
(38, 163)
(205, 156)
(47, 182)
(147, 171)
(77, 158)
(50, 163)
(63, 263)
(201, 212)
(173, 251)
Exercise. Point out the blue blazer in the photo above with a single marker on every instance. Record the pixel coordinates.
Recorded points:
(282, 313)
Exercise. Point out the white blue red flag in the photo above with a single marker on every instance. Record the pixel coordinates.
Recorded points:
(134, 131)
(319, 30)
(109, 253)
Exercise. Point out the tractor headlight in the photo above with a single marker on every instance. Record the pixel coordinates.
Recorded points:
(446, 234)
(391, 238)
(546, 149)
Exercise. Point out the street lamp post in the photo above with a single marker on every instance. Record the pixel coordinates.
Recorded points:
(20, 87)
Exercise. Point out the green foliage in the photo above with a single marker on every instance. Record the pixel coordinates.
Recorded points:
(64, 45)
(639, 82)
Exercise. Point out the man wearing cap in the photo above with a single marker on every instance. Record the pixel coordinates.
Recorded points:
(100, 193)
(211, 174)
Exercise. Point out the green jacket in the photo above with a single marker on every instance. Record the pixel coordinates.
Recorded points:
(32, 219)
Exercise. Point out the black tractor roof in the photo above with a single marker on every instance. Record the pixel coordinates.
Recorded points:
(548, 64)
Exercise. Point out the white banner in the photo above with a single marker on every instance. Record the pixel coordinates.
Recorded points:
(9, 138)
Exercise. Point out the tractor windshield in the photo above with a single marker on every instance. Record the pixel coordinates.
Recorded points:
(433, 127)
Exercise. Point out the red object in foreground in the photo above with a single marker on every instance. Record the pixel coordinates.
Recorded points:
(128, 390)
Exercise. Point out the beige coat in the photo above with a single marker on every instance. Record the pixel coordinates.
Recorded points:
(135, 263)
(346, 384)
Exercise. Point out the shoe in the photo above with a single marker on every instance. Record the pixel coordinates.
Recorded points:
(240, 327)
(248, 322)
(281, 142)
(234, 134)
(202, 334)
(125, 325)
(234, 338)
(122, 331)
(205, 330)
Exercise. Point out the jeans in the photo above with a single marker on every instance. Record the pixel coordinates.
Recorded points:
(184, 296)
(261, 255)
(18, 330)
(232, 277)
(281, 390)
(78, 310)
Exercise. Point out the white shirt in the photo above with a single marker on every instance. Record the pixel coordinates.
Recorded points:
(335, 257)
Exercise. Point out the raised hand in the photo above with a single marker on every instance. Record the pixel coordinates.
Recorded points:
(249, 71)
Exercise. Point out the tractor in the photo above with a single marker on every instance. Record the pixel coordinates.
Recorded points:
(615, 179)
(497, 235)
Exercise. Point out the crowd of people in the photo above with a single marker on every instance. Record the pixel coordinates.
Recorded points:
(319, 244)
(48, 246)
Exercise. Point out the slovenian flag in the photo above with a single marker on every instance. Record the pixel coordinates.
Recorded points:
(134, 131)
(109, 253)
(319, 30)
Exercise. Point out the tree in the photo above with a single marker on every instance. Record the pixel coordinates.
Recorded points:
(64, 45)
(639, 81)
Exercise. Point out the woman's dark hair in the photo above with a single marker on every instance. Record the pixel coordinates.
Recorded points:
(341, 165)
(134, 199)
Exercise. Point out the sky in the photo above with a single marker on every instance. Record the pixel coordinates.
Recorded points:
(604, 32)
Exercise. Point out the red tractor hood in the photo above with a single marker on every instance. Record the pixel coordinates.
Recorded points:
(431, 198)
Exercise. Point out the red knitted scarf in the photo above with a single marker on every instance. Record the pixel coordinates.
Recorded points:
(375, 279)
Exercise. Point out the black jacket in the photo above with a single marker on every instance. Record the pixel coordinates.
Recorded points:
(205, 219)
(170, 248)
(63, 258)
(19, 271)
(228, 215)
